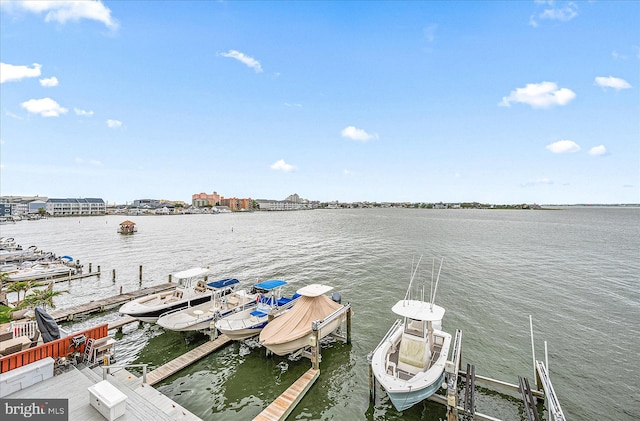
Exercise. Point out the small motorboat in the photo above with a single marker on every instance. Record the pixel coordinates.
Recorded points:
(250, 322)
(192, 289)
(410, 360)
(39, 270)
(221, 303)
(293, 330)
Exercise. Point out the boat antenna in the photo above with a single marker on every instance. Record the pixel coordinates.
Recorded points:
(407, 296)
(433, 297)
(433, 268)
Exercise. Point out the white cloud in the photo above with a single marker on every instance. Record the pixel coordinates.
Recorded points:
(561, 13)
(282, 166)
(539, 95)
(9, 72)
(537, 182)
(598, 150)
(563, 146)
(353, 133)
(430, 32)
(78, 111)
(95, 162)
(50, 82)
(114, 124)
(63, 11)
(287, 104)
(612, 82)
(46, 107)
(249, 61)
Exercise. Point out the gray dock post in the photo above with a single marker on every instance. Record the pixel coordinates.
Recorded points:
(140, 274)
(114, 275)
(89, 267)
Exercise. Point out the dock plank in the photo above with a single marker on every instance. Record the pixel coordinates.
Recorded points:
(104, 304)
(280, 409)
(184, 360)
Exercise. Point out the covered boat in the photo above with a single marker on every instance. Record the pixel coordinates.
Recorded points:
(250, 322)
(293, 330)
(192, 289)
(127, 227)
(410, 360)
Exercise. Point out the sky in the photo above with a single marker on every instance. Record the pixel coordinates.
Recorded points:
(485, 101)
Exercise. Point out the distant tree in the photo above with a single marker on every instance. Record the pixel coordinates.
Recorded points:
(42, 211)
(20, 286)
(42, 297)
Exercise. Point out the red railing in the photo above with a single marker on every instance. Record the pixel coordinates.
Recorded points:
(59, 348)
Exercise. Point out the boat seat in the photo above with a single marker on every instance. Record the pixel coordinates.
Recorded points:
(413, 354)
(200, 287)
(391, 365)
(258, 313)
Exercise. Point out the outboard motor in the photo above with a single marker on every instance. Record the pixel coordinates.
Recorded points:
(336, 297)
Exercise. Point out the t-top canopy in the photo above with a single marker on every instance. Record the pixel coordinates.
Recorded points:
(222, 283)
(270, 284)
(314, 290)
(418, 310)
(190, 273)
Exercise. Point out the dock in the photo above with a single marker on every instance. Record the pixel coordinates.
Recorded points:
(284, 404)
(104, 304)
(184, 360)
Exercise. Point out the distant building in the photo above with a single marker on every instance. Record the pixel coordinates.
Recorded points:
(76, 207)
(234, 204)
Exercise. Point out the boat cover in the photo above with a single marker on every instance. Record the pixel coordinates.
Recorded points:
(46, 325)
(270, 284)
(223, 283)
(296, 323)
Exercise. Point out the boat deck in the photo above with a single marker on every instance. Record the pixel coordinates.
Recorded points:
(143, 403)
(403, 375)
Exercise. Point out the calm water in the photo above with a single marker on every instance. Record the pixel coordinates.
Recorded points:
(576, 271)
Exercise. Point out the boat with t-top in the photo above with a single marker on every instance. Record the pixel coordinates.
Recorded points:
(409, 362)
(250, 322)
(192, 289)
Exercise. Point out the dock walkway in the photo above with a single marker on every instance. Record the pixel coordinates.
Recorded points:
(98, 306)
(184, 360)
(284, 404)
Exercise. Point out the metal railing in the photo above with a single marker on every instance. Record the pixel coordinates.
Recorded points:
(106, 368)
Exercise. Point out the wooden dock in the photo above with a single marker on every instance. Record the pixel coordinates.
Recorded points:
(117, 324)
(184, 360)
(104, 304)
(284, 404)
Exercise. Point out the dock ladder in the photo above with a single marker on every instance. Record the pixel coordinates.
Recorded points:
(88, 350)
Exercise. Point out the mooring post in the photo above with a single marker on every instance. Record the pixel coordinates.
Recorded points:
(114, 275)
(349, 326)
(98, 270)
(372, 379)
(140, 274)
(89, 267)
(120, 289)
(169, 278)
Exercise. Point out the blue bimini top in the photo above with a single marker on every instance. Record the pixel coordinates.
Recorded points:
(222, 283)
(270, 284)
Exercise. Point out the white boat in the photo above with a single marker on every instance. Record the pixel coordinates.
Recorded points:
(41, 270)
(409, 362)
(191, 289)
(293, 330)
(251, 321)
(221, 303)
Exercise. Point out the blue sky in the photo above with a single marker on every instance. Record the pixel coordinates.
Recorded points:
(498, 102)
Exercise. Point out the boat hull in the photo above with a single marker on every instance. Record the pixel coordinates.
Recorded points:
(150, 314)
(406, 399)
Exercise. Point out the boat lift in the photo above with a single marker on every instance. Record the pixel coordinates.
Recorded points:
(544, 388)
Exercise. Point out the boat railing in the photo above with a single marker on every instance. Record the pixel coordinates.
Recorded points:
(387, 335)
(319, 324)
(107, 369)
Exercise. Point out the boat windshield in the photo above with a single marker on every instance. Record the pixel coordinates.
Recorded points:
(415, 327)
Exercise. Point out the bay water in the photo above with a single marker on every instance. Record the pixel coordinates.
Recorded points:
(575, 270)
